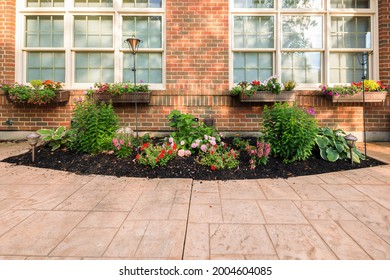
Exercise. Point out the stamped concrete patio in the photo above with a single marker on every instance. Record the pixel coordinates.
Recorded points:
(46, 214)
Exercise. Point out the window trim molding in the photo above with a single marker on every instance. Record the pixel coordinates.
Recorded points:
(326, 12)
(68, 11)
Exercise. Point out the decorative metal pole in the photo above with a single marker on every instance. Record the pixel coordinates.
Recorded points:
(133, 46)
(363, 61)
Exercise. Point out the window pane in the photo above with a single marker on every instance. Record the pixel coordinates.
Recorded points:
(253, 32)
(301, 67)
(148, 29)
(94, 67)
(149, 68)
(354, 4)
(142, 3)
(299, 4)
(45, 3)
(93, 3)
(252, 66)
(93, 31)
(345, 68)
(46, 66)
(44, 31)
(302, 32)
(253, 3)
(351, 32)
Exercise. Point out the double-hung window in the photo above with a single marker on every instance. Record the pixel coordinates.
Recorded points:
(311, 42)
(80, 42)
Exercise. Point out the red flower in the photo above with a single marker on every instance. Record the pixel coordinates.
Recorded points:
(170, 152)
(137, 156)
(213, 167)
(256, 83)
(157, 159)
(212, 152)
(144, 146)
(174, 147)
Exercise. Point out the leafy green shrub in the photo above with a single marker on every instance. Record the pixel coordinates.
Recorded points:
(190, 134)
(94, 126)
(55, 138)
(290, 131)
(333, 146)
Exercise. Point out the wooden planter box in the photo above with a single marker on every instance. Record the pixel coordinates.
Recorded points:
(266, 96)
(134, 97)
(61, 98)
(370, 96)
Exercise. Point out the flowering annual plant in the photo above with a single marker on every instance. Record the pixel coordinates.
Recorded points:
(38, 93)
(244, 88)
(123, 144)
(219, 157)
(156, 155)
(258, 154)
(117, 88)
(353, 88)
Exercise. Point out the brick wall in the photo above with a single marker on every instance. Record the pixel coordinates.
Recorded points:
(7, 40)
(197, 76)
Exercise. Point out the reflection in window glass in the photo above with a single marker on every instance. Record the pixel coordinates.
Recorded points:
(302, 32)
(93, 3)
(46, 66)
(142, 3)
(148, 29)
(44, 31)
(252, 66)
(149, 68)
(93, 31)
(253, 3)
(301, 67)
(350, 4)
(253, 32)
(351, 32)
(45, 3)
(345, 68)
(302, 4)
(94, 67)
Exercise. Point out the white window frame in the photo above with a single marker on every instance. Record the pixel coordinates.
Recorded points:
(326, 12)
(69, 11)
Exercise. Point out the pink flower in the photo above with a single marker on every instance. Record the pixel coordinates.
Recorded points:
(203, 148)
(170, 140)
(194, 145)
(111, 152)
(182, 143)
(181, 153)
(122, 142)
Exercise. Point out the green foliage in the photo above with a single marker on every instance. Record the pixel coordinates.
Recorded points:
(289, 85)
(155, 155)
(189, 130)
(290, 131)
(333, 146)
(56, 138)
(94, 126)
(240, 143)
(117, 88)
(25, 94)
(219, 158)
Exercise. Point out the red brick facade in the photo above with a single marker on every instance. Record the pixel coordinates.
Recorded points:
(197, 78)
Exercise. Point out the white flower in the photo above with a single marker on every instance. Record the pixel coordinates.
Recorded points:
(182, 142)
(170, 140)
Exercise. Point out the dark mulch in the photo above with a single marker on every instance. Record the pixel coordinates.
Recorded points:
(180, 167)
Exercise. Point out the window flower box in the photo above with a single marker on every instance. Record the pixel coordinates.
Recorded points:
(120, 93)
(374, 92)
(370, 96)
(266, 96)
(268, 91)
(125, 98)
(38, 94)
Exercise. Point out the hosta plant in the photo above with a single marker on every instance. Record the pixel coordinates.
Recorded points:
(333, 146)
(56, 138)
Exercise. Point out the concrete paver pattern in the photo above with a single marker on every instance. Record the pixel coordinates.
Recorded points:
(46, 214)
